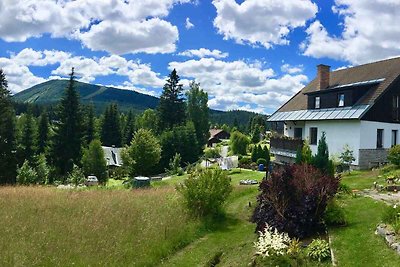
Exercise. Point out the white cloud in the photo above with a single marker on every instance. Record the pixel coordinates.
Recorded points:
(115, 26)
(188, 25)
(262, 22)
(240, 84)
(20, 76)
(363, 39)
(291, 69)
(203, 52)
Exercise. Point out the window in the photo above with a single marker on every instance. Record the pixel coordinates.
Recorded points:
(317, 102)
(298, 133)
(379, 138)
(394, 137)
(340, 100)
(313, 136)
(395, 108)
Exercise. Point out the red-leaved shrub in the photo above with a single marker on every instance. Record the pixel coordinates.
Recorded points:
(294, 199)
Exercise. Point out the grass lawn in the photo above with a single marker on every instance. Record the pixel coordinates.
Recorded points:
(356, 244)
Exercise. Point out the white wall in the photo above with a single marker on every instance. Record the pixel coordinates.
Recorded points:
(338, 134)
(369, 134)
(357, 134)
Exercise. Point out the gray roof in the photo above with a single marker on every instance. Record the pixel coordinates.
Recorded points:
(112, 156)
(344, 113)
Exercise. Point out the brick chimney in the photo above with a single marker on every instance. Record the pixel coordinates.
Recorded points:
(323, 76)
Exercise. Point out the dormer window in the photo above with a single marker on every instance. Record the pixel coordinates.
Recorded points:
(317, 102)
(340, 100)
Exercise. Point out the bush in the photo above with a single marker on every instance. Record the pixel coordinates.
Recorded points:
(394, 155)
(391, 215)
(334, 214)
(262, 161)
(245, 160)
(94, 163)
(344, 189)
(76, 176)
(212, 153)
(319, 250)
(293, 200)
(239, 143)
(42, 169)
(175, 166)
(26, 174)
(205, 192)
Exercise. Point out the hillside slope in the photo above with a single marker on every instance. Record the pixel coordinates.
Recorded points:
(50, 92)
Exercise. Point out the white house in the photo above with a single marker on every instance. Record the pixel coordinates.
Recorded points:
(357, 106)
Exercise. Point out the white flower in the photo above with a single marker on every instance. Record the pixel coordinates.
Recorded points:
(271, 242)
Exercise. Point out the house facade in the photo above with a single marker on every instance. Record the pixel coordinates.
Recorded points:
(357, 106)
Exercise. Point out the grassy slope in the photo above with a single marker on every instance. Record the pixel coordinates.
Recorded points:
(356, 244)
(233, 239)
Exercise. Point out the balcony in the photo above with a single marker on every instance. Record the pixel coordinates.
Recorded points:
(285, 146)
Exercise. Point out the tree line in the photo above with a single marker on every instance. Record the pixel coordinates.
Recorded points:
(65, 142)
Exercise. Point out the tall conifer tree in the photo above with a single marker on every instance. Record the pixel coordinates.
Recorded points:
(111, 134)
(171, 108)
(69, 131)
(8, 162)
(197, 107)
(43, 132)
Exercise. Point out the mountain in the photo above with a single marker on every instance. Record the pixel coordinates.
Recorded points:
(50, 93)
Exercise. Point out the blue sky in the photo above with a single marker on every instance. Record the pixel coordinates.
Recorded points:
(248, 54)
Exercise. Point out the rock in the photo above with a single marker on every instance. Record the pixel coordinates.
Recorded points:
(381, 230)
(390, 239)
(395, 246)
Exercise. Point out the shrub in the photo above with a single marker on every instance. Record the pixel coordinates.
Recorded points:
(262, 161)
(212, 153)
(319, 250)
(205, 192)
(26, 174)
(42, 169)
(293, 200)
(394, 155)
(344, 189)
(245, 160)
(239, 143)
(76, 176)
(175, 165)
(391, 215)
(334, 214)
(94, 163)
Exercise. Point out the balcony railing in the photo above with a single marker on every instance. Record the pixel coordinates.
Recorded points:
(285, 143)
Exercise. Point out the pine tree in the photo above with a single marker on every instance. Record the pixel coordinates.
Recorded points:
(197, 108)
(68, 136)
(171, 108)
(129, 129)
(27, 148)
(43, 133)
(90, 131)
(111, 128)
(8, 162)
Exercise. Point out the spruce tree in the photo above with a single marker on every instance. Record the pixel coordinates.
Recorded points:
(8, 162)
(171, 108)
(321, 159)
(90, 131)
(111, 128)
(27, 148)
(68, 136)
(129, 129)
(197, 108)
(43, 133)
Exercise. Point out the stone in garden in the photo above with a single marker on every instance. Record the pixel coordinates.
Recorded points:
(390, 239)
(395, 246)
(381, 230)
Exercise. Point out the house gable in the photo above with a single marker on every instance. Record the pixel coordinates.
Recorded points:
(383, 109)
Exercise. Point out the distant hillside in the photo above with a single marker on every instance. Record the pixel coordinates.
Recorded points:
(50, 93)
